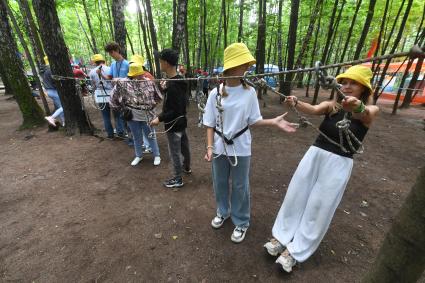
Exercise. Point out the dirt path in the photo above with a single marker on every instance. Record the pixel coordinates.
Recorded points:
(74, 210)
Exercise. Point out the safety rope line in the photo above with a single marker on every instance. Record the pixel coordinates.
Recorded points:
(414, 52)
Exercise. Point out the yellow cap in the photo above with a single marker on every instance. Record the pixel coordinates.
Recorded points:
(46, 60)
(358, 73)
(237, 54)
(97, 58)
(136, 58)
(135, 69)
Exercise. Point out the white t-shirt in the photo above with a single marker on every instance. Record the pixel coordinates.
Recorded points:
(240, 110)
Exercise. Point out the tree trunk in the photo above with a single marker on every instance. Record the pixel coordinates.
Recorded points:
(401, 257)
(261, 41)
(56, 50)
(145, 37)
(15, 75)
(84, 30)
(408, 96)
(7, 87)
(366, 27)
(380, 36)
(225, 21)
(390, 36)
(217, 42)
(93, 39)
(32, 32)
(313, 55)
(240, 31)
(178, 33)
(119, 25)
(279, 42)
(395, 45)
(110, 22)
(153, 36)
(400, 90)
(285, 87)
(131, 43)
(30, 60)
(204, 35)
(200, 34)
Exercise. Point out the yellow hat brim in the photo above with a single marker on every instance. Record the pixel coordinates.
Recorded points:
(239, 60)
(135, 73)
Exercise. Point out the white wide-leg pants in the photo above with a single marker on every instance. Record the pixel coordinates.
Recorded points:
(311, 200)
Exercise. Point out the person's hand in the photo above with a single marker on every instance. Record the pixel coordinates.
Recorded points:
(154, 122)
(163, 84)
(350, 103)
(291, 100)
(209, 155)
(284, 125)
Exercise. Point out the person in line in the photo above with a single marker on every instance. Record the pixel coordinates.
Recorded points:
(138, 96)
(174, 118)
(53, 94)
(231, 109)
(320, 179)
(102, 92)
(118, 69)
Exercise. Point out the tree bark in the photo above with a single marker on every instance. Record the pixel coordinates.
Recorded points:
(110, 22)
(7, 88)
(313, 55)
(93, 38)
(178, 33)
(261, 41)
(153, 36)
(279, 42)
(285, 87)
(84, 30)
(15, 74)
(56, 50)
(225, 21)
(119, 25)
(408, 96)
(145, 37)
(217, 42)
(30, 60)
(32, 32)
(366, 27)
(240, 31)
(401, 257)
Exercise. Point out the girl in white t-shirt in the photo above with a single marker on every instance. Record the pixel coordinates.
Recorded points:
(231, 109)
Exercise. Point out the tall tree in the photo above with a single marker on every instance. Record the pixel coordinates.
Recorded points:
(93, 39)
(279, 40)
(153, 36)
(401, 257)
(7, 87)
(15, 75)
(179, 30)
(285, 86)
(120, 32)
(145, 37)
(378, 92)
(84, 30)
(260, 52)
(240, 30)
(110, 22)
(30, 59)
(32, 32)
(57, 52)
(366, 27)
(412, 85)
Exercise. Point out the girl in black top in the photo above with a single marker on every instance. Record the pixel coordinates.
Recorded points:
(318, 184)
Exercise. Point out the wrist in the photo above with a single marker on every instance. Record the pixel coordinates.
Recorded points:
(359, 109)
(210, 147)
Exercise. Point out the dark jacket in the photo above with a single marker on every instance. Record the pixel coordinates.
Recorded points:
(47, 77)
(174, 106)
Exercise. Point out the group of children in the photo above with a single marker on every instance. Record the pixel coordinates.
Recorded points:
(232, 109)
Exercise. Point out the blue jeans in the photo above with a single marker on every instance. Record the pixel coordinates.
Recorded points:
(238, 207)
(53, 94)
(106, 115)
(138, 128)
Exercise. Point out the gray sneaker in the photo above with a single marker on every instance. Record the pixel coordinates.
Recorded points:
(218, 221)
(286, 261)
(274, 247)
(238, 234)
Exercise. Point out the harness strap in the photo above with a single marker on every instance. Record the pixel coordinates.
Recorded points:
(230, 141)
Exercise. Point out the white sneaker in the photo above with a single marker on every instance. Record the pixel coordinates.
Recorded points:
(50, 120)
(238, 234)
(136, 161)
(218, 221)
(274, 247)
(157, 160)
(286, 260)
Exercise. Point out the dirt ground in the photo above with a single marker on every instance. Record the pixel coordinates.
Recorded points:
(72, 209)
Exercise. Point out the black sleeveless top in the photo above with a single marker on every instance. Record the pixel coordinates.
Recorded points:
(329, 128)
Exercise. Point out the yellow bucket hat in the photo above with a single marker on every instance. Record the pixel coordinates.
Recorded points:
(237, 54)
(136, 58)
(46, 60)
(97, 58)
(358, 73)
(135, 69)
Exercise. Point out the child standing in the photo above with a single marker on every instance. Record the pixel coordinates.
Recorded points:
(232, 108)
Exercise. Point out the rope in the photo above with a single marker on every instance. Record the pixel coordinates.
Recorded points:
(414, 52)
